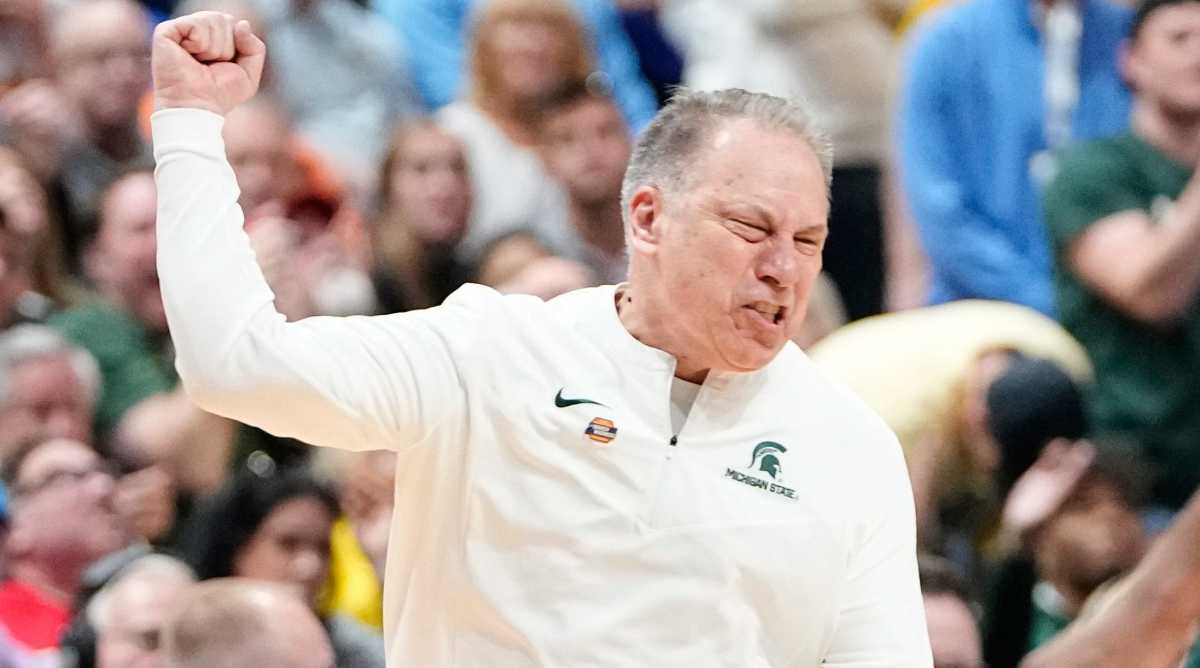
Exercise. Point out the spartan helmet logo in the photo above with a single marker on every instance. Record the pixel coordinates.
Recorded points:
(766, 458)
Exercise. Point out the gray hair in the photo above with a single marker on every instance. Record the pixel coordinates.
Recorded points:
(27, 342)
(669, 145)
(155, 568)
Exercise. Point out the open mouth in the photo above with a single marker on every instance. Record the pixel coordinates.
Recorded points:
(768, 313)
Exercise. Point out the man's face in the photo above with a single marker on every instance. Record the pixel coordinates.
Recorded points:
(532, 54)
(131, 638)
(430, 186)
(586, 147)
(1163, 63)
(103, 51)
(732, 255)
(47, 391)
(124, 254)
(953, 634)
(257, 142)
(1093, 537)
(63, 511)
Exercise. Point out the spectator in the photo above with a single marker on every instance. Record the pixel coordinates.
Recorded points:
(1076, 512)
(521, 50)
(358, 545)
(48, 387)
(245, 624)
(436, 33)
(258, 138)
(585, 145)
(128, 613)
(1124, 217)
(297, 216)
(63, 517)
(950, 615)
(338, 71)
(142, 413)
(424, 205)
(33, 280)
(991, 85)
(277, 528)
(927, 372)
(1148, 620)
(81, 131)
(837, 56)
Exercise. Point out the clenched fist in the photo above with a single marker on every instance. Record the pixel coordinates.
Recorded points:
(207, 61)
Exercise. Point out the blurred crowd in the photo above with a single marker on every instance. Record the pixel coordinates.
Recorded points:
(1012, 281)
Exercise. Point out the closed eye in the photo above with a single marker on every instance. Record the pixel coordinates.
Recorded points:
(749, 231)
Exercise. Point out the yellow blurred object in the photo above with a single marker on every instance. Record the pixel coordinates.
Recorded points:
(354, 589)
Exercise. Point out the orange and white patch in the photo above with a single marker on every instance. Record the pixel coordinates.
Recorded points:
(601, 430)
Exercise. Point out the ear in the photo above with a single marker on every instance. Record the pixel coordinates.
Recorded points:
(645, 219)
(1127, 64)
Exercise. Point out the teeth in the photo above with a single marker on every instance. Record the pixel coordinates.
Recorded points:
(767, 309)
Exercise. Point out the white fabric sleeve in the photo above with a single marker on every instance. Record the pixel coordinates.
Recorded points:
(881, 622)
(357, 383)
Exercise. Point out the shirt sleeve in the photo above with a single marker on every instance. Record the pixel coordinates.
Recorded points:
(881, 620)
(359, 382)
(1092, 183)
(969, 250)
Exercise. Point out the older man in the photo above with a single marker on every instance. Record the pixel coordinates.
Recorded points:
(244, 624)
(64, 517)
(642, 474)
(48, 387)
(128, 612)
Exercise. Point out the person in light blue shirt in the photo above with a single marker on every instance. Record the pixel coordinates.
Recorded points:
(991, 86)
(435, 33)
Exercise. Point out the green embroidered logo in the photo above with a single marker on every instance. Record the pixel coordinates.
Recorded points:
(765, 458)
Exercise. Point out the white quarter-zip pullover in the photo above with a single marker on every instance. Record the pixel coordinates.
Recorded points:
(547, 513)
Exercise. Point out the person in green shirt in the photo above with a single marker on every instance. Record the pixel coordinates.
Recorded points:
(142, 413)
(1123, 215)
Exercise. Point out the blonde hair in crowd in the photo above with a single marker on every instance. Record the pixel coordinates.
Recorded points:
(485, 65)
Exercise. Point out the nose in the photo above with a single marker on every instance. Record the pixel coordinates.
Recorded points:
(307, 565)
(779, 264)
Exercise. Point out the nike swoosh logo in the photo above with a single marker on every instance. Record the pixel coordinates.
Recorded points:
(563, 403)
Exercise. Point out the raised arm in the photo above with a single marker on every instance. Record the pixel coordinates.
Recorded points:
(346, 382)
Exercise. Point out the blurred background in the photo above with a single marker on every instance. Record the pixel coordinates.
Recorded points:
(400, 148)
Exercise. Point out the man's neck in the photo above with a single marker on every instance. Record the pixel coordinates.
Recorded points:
(1177, 137)
(59, 587)
(645, 323)
(600, 225)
